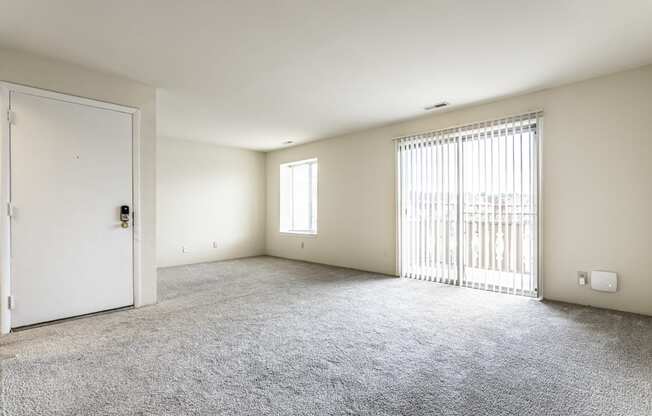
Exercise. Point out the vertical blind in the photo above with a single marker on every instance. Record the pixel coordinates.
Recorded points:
(468, 204)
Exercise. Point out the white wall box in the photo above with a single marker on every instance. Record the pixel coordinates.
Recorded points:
(604, 281)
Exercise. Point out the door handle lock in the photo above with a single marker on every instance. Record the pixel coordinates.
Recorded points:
(124, 216)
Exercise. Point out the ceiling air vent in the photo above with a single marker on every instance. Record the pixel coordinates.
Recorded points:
(436, 106)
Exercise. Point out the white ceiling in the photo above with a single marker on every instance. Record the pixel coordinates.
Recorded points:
(255, 73)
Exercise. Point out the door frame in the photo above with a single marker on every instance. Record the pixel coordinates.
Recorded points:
(6, 88)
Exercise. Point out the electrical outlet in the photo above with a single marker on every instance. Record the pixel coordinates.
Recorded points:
(214, 244)
(582, 278)
(185, 249)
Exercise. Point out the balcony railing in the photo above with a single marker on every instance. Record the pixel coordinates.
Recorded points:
(498, 236)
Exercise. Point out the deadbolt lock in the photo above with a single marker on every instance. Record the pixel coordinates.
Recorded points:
(124, 216)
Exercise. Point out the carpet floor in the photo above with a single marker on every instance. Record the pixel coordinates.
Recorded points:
(267, 336)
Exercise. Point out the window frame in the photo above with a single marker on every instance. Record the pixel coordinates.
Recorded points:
(312, 202)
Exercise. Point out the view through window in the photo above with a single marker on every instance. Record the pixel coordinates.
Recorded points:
(298, 197)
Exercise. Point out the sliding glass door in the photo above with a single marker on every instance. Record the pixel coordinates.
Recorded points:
(468, 205)
(429, 204)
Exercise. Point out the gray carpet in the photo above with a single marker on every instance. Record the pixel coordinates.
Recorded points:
(266, 336)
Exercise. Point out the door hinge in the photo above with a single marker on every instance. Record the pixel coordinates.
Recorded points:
(10, 302)
(10, 209)
(11, 117)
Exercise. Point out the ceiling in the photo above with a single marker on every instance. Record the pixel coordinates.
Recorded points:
(253, 74)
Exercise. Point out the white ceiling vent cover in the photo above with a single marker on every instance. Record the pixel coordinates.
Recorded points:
(436, 106)
(604, 281)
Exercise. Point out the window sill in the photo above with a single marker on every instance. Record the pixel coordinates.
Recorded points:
(298, 234)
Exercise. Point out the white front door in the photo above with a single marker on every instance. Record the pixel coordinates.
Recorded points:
(71, 171)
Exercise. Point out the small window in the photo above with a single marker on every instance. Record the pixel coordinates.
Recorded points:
(299, 197)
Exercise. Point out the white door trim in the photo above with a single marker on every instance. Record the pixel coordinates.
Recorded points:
(5, 189)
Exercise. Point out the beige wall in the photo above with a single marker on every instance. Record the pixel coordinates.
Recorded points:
(49, 74)
(597, 189)
(206, 194)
